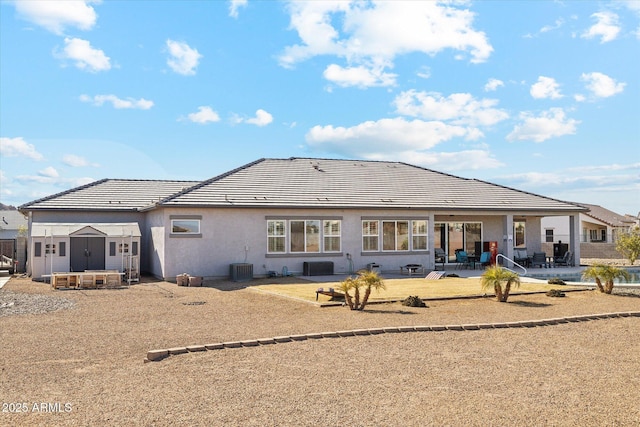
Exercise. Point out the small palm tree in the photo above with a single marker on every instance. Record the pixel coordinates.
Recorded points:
(495, 276)
(366, 279)
(606, 273)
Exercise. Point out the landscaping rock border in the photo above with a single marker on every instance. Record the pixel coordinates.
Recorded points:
(157, 355)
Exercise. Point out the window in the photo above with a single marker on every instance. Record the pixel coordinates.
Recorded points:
(369, 236)
(548, 235)
(457, 235)
(331, 230)
(112, 248)
(37, 249)
(63, 249)
(396, 235)
(134, 248)
(305, 236)
(276, 237)
(419, 233)
(519, 234)
(185, 226)
(302, 236)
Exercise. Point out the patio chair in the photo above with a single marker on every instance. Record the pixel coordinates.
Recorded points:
(565, 260)
(485, 259)
(520, 256)
(539, 259)
(462, 259)
(440, 256)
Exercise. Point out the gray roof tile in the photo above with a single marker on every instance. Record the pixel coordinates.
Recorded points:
(303, 182)
(110, 194)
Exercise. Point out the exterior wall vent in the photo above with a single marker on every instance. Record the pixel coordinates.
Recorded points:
(241, 271)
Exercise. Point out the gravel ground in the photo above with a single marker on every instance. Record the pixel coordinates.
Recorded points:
(84, 366)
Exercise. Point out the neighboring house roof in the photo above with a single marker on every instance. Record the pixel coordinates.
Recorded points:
(608, 217)
(110, 194)
(115, 229)
(10, 223)
(304, 182)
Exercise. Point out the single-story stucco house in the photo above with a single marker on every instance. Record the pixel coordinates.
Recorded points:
(285, 216)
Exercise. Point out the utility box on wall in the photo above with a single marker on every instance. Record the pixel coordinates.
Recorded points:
(241, 271)
(317, 268)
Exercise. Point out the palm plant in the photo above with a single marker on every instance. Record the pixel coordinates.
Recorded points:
(495, 276)
(366, 279)
(606, 273)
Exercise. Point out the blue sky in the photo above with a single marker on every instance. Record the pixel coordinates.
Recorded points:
(542, 96)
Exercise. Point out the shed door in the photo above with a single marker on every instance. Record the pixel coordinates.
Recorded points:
(87, 253)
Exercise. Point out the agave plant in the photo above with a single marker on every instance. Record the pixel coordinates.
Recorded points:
(366, 279)
(495, 276)
(606, 273)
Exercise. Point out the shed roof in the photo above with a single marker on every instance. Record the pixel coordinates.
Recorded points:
(111, 195)
(116, 229)
(308, 182)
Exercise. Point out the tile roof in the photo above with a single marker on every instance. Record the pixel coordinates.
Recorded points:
(607, 216)
(307, 182)
(110, 195)
(12, 219)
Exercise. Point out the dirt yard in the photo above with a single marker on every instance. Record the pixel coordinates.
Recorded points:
(83, 364)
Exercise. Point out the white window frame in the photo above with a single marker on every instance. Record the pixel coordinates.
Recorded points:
(415, 234)
(308, 222)
(411, 224)
(369, 234)
(277, 235)
(327, 225)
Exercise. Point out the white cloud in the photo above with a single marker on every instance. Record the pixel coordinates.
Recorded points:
(492, 85)
(459, 108)
(55, 16)
(118, 103)
(424, 73)
(49, 172)
(77, 161)
(262, 118)
(401, 140)
(360, 76)
(378, 136)
(601, 85)
(183, 59)
(546, 87)
(373, 33)
(606, 27)
(550, 124)
(451, 161)
(234, 7)
(18, 147)
(204, 115)
(556, 25)
(84, 55)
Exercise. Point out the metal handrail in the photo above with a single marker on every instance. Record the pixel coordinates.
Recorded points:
(512, 262)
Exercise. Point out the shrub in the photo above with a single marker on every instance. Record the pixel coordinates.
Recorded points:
(413, 301)
(555, 293)
(556, 281)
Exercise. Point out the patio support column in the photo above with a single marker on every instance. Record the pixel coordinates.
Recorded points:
(431, 264)
(574, 237)
(507, 236)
